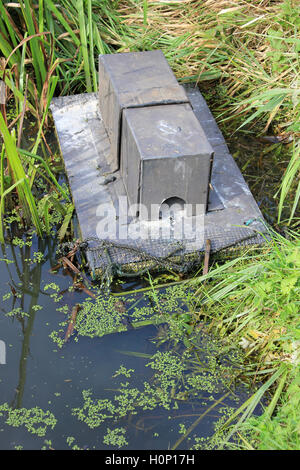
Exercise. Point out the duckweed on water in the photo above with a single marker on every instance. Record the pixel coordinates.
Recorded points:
(169, 385)
(115, 437)
(106, 315)
(123, 371)
(17, 312)
(35, 420)
(187, 367)
(99, 318)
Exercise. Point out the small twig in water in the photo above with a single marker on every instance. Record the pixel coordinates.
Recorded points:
(70, 329)
(206, 256)
(192, 427)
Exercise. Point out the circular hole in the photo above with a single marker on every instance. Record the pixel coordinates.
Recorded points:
(170, 206)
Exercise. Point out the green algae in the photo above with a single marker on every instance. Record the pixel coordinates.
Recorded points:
(107, 315)
(174, 380)
(35, 420)
(188, 367)
(115, 437)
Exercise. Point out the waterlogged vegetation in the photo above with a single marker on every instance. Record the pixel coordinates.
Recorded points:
(257, 306)
(249, 51)
(207, 369)
(35, 419)
(215, 361)
(106, 314)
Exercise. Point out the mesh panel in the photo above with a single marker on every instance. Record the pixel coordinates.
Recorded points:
(115, 258)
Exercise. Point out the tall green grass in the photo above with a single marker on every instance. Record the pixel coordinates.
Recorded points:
(281, 430)
(250, 49)
(254, 301)
(20, 180)
(289, 180)
(37, 40)
(17, 182)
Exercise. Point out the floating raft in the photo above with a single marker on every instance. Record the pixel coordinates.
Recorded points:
(233, 218)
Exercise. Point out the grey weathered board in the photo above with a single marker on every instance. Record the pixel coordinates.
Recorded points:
(131, 80)
(85, 147)
(165, 150)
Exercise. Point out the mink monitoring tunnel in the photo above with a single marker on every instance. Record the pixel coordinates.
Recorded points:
(149, 170)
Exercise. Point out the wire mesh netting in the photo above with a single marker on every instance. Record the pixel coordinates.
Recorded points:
(109, 258)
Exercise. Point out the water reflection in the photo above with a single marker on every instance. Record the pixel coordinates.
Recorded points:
(39, 374)
(28, 284)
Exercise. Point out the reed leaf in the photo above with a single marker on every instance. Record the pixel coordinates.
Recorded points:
(249, 406)
(66, 222)
(289, 178)
(37, 56)
(47, 169)
(84, 45)
(3, 195)
(24, 192)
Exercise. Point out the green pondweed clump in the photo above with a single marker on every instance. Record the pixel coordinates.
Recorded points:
(9, 295)
(169, 385)
(35, 420)
(99, 317)
(38, 257)
(17, 312)
(191, 366)
(107, 314)
(53, 213)
(54, 295)
(94, 412)
(115, 437)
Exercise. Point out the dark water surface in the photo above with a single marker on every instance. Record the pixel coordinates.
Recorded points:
(38, 373)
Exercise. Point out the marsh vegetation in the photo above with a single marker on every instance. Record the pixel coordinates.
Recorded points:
(244, 56)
